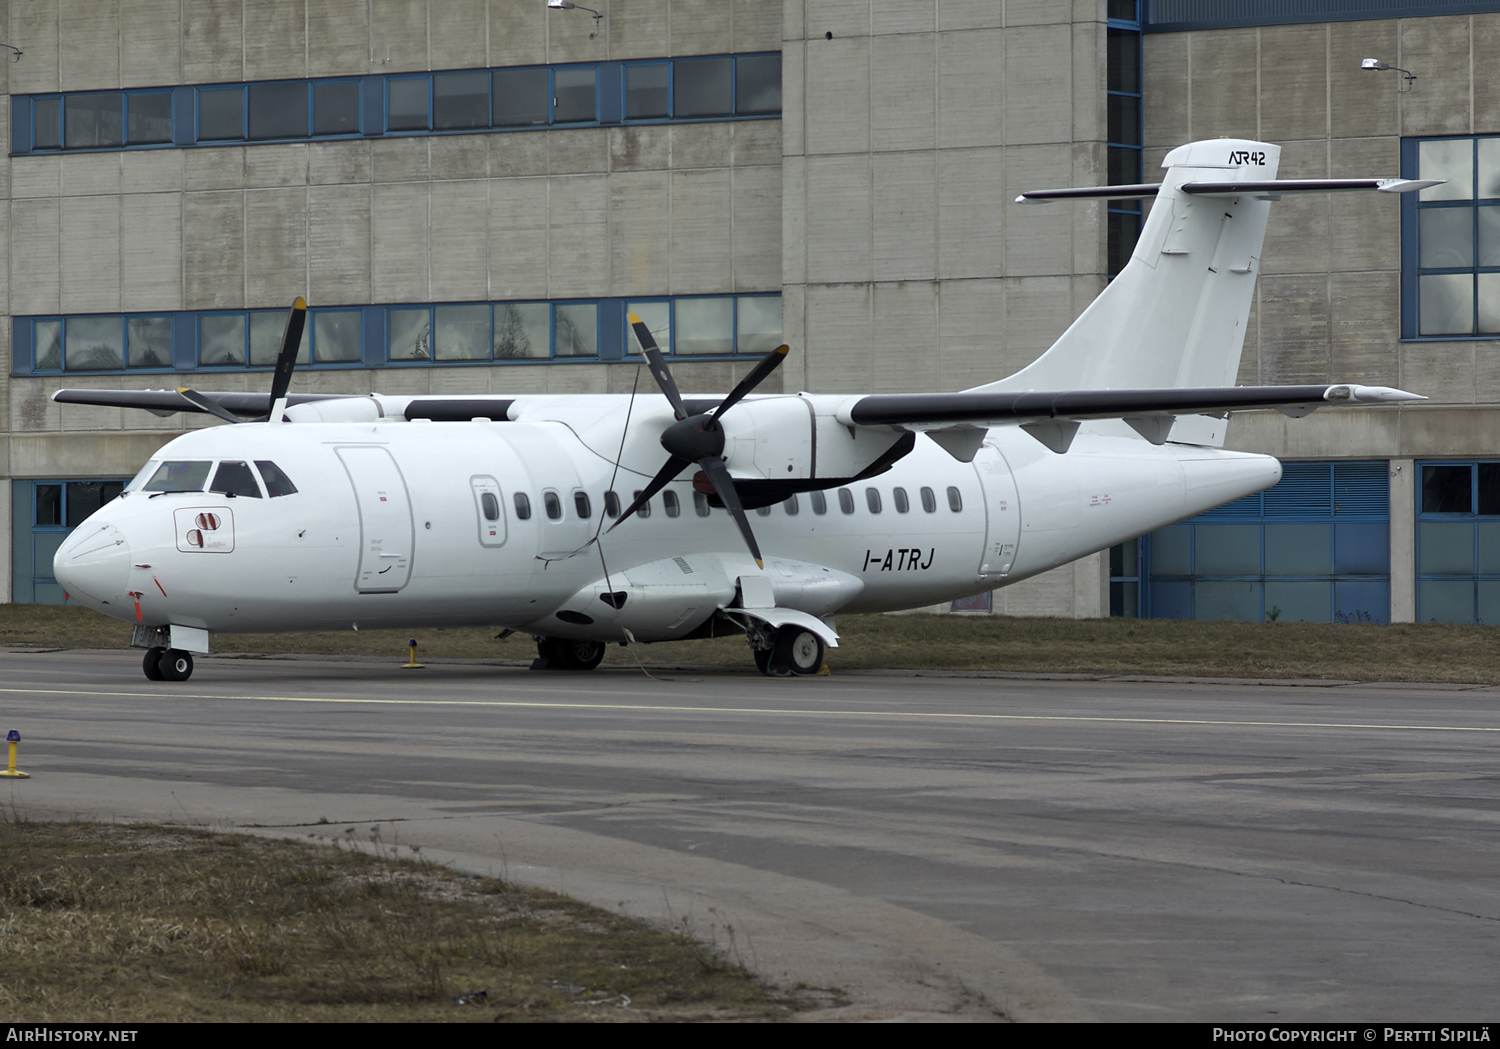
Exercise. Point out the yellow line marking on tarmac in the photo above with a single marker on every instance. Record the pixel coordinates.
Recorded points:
(759, 711)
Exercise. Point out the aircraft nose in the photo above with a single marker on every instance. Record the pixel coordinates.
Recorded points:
(94, 563)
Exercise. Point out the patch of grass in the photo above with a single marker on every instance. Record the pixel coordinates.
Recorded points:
(1364, 652)
(108, 923)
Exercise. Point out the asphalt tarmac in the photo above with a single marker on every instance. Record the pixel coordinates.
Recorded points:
(933, 846)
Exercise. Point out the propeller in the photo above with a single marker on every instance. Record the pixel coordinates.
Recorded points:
(281, 379)
(698, 438)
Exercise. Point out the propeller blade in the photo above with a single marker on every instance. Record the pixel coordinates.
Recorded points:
(658, 366)
(204, 404)
(663, 478)
(757, 375)
(718, 476)
(291, 342)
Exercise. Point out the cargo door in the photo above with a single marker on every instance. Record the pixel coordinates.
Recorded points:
(1002, 513)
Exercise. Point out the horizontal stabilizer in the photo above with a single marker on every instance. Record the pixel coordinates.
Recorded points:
(1269, 189)
(984, 408)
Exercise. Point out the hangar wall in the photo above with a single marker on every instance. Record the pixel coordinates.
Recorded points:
(1331, 302)
(875, 203)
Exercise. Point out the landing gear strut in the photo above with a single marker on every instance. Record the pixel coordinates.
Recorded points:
(564, 654)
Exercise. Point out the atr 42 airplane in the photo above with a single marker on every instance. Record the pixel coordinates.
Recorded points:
(557, 515)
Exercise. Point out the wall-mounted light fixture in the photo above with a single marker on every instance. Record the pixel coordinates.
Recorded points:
(1375, 64)
(568, 5)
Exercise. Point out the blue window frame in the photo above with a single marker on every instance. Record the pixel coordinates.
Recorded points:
(1450, 239)
(1458, 542)
(458, 101)
(1313, 548)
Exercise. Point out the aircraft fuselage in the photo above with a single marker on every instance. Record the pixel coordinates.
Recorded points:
(405, 524)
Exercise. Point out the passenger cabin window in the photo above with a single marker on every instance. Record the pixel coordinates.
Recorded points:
(277, 483)
(236, 480)
(791, 506)
(819, 502)
(645, 508)
(612, 504)
(902, 504)
(929, 501)
(582, 506)
(179, 476)
(846, 500)
(955, 500)
(553, 505)
(523, 506)
(490, 505)
(670, 504)
(872, 499)
(764, 511)
(700, 504)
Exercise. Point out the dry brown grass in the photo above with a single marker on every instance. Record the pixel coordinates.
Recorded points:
(108, 923)
(1365, 652)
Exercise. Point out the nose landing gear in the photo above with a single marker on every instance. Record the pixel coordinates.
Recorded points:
(167, 664)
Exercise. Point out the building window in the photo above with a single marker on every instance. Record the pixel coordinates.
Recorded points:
(1124, 141)
(722, 325)
(1313, 548)
(699, 327)
(1451, 241)
(45, 514)
(722, 87)
(1458, 542)
(107, 343)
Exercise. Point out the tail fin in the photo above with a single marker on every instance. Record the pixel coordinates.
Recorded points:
(1176, 315)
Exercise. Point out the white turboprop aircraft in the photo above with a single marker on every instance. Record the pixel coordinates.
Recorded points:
(556, 515)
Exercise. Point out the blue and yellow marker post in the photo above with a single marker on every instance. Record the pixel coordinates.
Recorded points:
(13, 737)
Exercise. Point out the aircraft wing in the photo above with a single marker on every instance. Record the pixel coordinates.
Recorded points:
(957, 420)
(169, 402)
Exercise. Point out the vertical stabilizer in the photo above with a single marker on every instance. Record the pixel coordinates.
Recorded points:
(1176, 315)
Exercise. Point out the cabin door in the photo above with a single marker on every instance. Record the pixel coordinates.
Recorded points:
(385, 523)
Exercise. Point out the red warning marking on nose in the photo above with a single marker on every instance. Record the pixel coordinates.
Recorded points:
(195, 537)
(207, 522)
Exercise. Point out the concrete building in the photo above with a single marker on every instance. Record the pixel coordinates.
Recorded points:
(471, 193)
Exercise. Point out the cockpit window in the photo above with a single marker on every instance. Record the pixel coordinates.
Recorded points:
(235, 478)
(277, 483)
(179, 476)
(142, 476)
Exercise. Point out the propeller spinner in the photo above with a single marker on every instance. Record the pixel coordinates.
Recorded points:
(698, 438)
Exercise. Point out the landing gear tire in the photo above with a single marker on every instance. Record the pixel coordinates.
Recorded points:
(176, 665)
(567, 654)
(151, 665)
(797, 650)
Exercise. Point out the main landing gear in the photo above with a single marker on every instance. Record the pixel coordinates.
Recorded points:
(167, 664)
(790, 650)
(556, 653)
